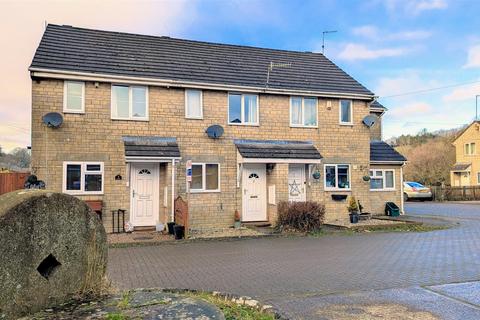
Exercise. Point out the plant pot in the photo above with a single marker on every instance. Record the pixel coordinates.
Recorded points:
(237, 224)
(179, 232)
(170, 226)
(354, 217)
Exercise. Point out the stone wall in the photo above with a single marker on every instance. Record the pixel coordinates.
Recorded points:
(94, 136)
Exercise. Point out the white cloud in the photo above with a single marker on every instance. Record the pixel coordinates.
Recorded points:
(410, 110)
(473, 60)
(406, 82)
(373, 33)
(414, 7)
(420, 6)
(463, 93)
(353, 51)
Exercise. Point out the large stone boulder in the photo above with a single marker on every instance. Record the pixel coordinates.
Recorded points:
(52, 247)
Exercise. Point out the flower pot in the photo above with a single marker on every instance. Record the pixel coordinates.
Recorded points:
(179, 232)
(237, 224)
(353, 217)
(170, 226)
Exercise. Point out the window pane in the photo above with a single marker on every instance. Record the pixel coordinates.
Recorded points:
(376, 183)
(93, 182)
(250, 109)
(345, 115)
(343, 179)
(310, 105)
(378, 173)
(120, 102)
(472, 148)
(212, 176)
(330, 179)
(139, 102)
(466, 149)
(389, 179)
(93, 167)
(296, 111)
(74, 173)
(74, 96)
(194, 103)
(196, 177)
(235, 108)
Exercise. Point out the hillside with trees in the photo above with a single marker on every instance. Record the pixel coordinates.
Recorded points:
(430, 155)
(16, 160)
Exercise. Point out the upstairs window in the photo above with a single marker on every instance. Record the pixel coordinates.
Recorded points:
(470, 149)
(74, 97)
(83, 177)
(205, 177)
(303, 112)
(242, 109)
(382, 179)
(337, 177)
(129, 102)
(193, 104)
(346, 112)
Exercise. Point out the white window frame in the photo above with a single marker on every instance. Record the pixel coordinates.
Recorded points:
(468, 146)
(242, 109)
(336, 188)
(83, 172)
(204, 177)
(478, 177)
(384, 188)
(65, 107)
(340, 112)
(293, 125)
(130, 102)
(187, 116)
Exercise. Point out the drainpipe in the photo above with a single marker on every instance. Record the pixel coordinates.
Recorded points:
(401, 189)
(172, 215)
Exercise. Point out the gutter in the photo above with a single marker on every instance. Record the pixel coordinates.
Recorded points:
(85, 76)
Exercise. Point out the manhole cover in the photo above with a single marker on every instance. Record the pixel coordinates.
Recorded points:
(143, 238)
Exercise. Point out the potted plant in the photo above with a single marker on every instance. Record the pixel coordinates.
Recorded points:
(238, 222)
(353, 210)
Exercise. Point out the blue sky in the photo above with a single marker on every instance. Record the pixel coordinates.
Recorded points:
(390, 46)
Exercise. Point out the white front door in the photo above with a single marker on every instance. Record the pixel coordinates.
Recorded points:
(296, 182)
(254, 192)
(144, 193)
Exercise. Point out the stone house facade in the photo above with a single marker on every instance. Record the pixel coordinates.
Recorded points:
(466, 171)
(137, 137)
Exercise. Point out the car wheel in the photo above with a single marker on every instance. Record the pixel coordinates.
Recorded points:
(405, 197)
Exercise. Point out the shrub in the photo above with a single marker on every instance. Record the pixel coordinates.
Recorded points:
(301, 216)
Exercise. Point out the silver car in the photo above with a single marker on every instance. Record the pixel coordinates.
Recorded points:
(415, 190)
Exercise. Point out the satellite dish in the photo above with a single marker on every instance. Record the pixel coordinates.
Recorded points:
(53, 119)
(370, 120)
(215, 131)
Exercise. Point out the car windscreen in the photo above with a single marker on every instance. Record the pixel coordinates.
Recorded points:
(415, 185)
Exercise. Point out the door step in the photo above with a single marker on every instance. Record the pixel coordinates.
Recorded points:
(140, 229)
(262, 227)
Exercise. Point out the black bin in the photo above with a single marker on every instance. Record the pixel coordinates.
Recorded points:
(179, 232)
(391, 209)
(170, 226)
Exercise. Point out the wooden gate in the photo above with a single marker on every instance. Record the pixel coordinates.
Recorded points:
(181, 213)
(11, 181)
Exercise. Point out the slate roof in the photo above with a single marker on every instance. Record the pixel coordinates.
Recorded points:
(75, 49)
(377, 105)
(461, 166)
(381, 151)
(159, 147)
(275, 149)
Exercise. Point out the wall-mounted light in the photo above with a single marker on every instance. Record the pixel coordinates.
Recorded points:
(270, 167)
(97, 84)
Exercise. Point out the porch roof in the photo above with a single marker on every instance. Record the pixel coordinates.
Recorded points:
(277, 149)
(382, 152)
(461, 166)
(151, 147)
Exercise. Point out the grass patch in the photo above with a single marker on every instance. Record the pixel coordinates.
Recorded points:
(116, 316)
(233, 311)
(125, 302)
(404, 227)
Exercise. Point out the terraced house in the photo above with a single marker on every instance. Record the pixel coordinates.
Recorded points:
(258, 125)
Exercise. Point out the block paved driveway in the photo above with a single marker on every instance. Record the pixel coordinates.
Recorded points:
(292, 273)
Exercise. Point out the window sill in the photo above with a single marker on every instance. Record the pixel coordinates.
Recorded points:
(80, 193)
(337, 189)
(74, 112)
(305, 127)
(194, 118)
(382, 190)
(347, 124)
(245, 124)
(131, 119)
(204, 191)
